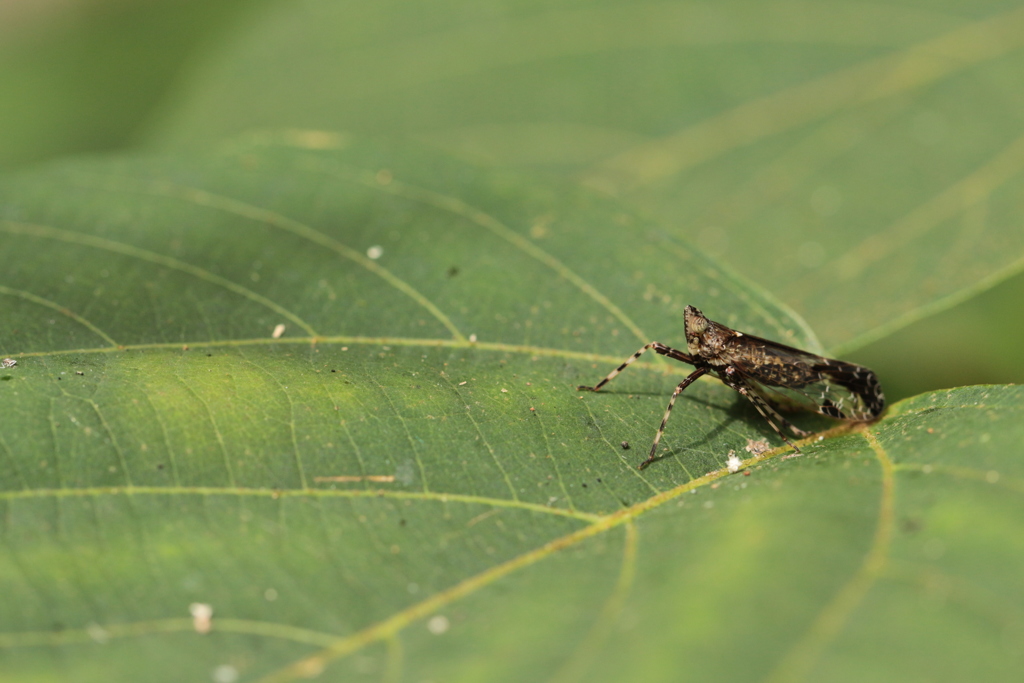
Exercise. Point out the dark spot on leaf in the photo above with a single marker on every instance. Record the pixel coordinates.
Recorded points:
(401, 522)
(625, 445)
(911, 525)
(6, 378)
(453, 271)
(333, 370)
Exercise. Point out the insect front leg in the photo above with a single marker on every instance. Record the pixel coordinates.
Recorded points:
(658, 348)
(762, 406)
(668, 411)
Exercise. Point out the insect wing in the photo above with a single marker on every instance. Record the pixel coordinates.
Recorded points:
(825, 397)
(791, 378)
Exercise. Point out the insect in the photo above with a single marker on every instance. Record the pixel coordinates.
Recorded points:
(770, 375)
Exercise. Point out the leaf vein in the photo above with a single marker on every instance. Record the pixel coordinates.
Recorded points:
(29, 296)
(456, 206)
(47, 232)
(798, 663)
(256, 213)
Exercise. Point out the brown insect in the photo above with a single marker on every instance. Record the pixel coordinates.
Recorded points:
(770, 375)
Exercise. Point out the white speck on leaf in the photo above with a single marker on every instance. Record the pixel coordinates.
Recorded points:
(405, 473)
(734, 463)
(97, 633)
(225, 673)
(438, 624)
(202, 614)
(278, 331)
(375, 252)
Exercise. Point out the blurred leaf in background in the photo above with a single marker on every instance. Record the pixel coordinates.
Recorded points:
(84, 75)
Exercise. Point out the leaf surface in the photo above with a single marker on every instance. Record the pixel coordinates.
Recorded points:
(401, 483)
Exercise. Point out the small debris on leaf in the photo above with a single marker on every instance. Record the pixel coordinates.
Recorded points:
(438, 624)
(757, 446)
(202, 614)
(380, 478)
(733, 464)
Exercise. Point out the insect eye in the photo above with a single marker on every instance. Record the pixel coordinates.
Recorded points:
(694, 322)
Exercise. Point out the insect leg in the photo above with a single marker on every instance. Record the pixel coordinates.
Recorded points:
(762, 407)
(658, 348)
(675, 394)
(799, 433)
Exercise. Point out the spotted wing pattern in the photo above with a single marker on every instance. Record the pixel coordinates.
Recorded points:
(791, 378)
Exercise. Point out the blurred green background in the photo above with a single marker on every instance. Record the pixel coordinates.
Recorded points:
(94, 76)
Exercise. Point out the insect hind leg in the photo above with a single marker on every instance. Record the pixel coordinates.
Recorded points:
(767, 412)
(796, 431)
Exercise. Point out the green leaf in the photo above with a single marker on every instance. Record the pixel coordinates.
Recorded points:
(855, 157)
(88, 75)
(402, 484)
